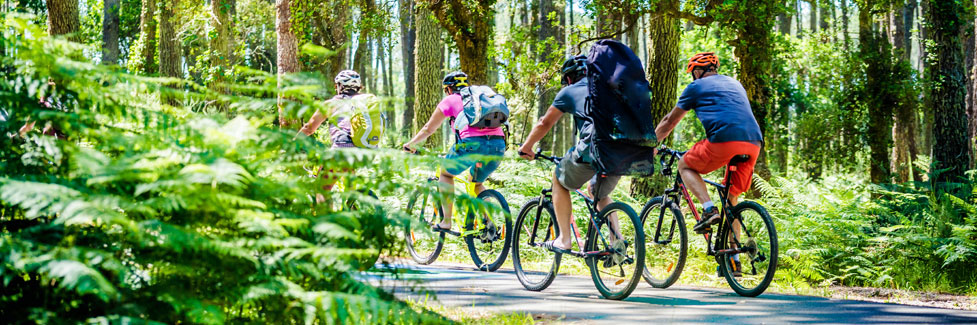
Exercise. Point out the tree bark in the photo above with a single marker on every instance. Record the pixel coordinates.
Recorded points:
(845, 24)
(814, 16)
(147, 36)
(928, 68)
(784, 22)
(823, 16)
(755, 51)
(333, 35)
(110, 32)
(472, 26)
(875, 51)
(407, 38)
(427, 72)
(222, 44)
(549, 35)
(904, 126)
(664, 35)
(950, 124)
(288, 61)
(799, 17)
(972, 113)
(63, 18)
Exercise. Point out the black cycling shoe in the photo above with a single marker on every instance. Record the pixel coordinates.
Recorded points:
(709, 217)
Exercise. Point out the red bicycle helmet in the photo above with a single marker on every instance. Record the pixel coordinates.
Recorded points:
(703, 60)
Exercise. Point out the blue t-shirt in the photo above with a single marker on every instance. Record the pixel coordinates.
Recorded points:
(723, 108)
(572, 99)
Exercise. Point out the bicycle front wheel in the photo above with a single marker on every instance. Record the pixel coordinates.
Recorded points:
(424, 245)
(753, 241)
(618, 244)
(488, 227)
(536, 267)
(666, 243)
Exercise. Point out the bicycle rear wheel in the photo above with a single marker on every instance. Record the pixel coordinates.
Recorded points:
(423, 244)
(491, 219)
(666, 243)
(536, 267)
(618, 267)
(757, 237)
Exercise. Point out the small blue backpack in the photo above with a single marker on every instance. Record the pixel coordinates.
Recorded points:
(483, 108)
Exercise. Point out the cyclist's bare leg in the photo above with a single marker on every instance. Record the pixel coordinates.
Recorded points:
(737, 227)
(564, 213)
(693, 181)
(479, 188)
(447, 188)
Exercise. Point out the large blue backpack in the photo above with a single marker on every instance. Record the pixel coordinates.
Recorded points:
(619, 104)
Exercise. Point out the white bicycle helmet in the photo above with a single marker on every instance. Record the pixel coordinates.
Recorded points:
(348, 80)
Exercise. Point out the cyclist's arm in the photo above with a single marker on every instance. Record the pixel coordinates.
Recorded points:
(313, 123)
(432, 126)
(541, 128)
(669, 122)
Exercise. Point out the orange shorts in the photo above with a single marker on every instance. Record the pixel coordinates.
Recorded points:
(705, 157)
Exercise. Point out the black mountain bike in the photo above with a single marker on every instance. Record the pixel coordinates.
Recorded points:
(614, 250)
(746, 230)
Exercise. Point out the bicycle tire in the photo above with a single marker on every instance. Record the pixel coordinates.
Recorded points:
(410, 235)
(650, 213)
(638, 242)
(521, 230)
(494, 262)
(740, 286)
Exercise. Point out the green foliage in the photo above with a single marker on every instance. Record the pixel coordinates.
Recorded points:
(151, 212)
(842, 231)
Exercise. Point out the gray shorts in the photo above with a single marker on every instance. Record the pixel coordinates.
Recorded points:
(572, 174)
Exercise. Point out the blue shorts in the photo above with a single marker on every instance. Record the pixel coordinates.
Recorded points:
(482, 154)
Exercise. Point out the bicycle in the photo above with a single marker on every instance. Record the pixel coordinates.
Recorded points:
(487, 244)
(363, 203)
(759, 249)
(602, 255)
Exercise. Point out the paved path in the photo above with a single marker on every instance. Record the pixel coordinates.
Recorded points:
(575, 300)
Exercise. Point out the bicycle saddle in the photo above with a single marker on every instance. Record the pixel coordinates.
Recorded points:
(739, 159)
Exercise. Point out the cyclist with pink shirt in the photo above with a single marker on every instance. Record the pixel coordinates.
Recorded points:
(480, 149)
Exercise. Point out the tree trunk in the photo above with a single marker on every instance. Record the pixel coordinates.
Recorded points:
(823, 16)
(904, 126)
(472, 29)
(950, 124)
(845, 24)
(427, 72)
(147, 36)
(814, 16)
(928, 69)
(222, 44)
(550, 36)
(664, 34)
(875, 51)
(63, 18)
(799, 17)
(288, 61)
(784, 20)
(972, 114)
(110, 32)
(407, 37)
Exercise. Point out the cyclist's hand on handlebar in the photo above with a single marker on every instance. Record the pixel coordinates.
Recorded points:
(526, 152)
(407, 148)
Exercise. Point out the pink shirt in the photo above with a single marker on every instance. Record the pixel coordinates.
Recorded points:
(451, 106)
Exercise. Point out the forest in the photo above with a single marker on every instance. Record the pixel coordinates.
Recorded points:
(151, 169)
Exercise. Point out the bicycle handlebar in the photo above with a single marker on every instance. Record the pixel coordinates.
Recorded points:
(668, 157)
(539, 154)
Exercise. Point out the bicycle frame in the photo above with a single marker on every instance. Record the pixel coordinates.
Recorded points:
(678, 189)
(465, 179)
(594, 218)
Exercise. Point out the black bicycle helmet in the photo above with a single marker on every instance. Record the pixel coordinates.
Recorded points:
(573, 67)
(455, 80)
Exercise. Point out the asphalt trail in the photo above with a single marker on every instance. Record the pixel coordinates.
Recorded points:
(573, 299)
